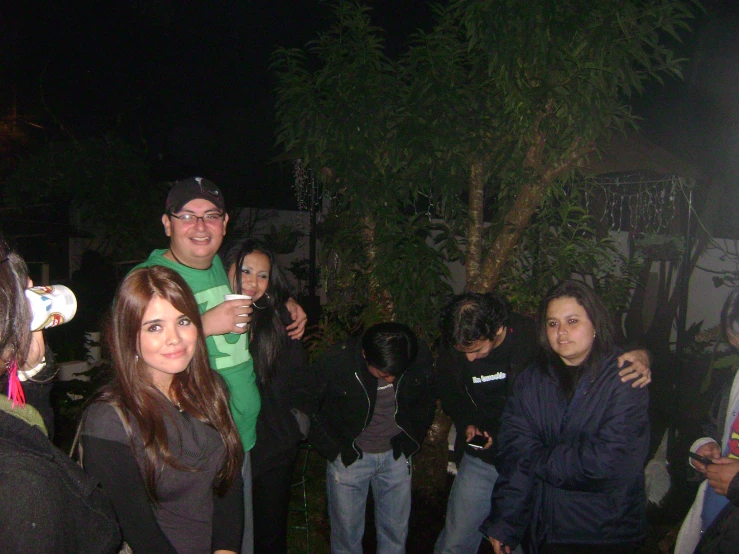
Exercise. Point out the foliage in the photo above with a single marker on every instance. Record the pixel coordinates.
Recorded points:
(376, 243)
(406, 265)
(562, 243)
(106, 182)
(563, 71)
(467, 140)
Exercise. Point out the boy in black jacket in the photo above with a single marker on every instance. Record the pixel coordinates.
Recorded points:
(371, 402)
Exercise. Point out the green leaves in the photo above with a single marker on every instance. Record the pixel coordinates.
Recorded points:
(521, 90)
(560, 243)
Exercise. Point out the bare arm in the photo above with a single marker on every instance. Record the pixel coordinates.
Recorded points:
(296, 329)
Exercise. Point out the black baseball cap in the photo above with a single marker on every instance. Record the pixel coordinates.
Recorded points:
(190, 189)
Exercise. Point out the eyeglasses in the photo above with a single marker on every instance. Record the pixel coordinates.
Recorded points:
(211, 218)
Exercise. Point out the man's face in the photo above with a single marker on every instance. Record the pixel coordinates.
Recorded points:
(196, 243)
(481, 348)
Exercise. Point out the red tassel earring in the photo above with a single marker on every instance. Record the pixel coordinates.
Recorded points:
(15, 390)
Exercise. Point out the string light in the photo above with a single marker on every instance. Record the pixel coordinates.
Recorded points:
(633, 202)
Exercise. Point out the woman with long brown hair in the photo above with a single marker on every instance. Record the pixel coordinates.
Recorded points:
(160, 438)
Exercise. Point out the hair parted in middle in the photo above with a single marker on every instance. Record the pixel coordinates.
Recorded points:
(472, 316)
(595, 308)
(267, 334)
(390, 347)
(197, 389)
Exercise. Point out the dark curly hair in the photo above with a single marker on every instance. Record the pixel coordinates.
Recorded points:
(470, 317)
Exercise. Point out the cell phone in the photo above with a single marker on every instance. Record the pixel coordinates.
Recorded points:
(478, 441)
(699, 458)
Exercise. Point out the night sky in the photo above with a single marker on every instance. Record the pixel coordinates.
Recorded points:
(189, 81)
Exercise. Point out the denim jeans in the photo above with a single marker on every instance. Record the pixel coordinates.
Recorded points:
(468, 507)
(346, 489)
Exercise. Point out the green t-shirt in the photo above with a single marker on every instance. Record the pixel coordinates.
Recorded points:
(228, 354)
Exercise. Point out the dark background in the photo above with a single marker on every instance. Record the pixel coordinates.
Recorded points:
(189, 82)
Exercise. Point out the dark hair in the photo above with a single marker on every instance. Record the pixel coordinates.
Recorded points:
(389, 347)
(472, 316)
(197, 389)
(15, 313)
(267, 335)
(597, 312)
(730, 315)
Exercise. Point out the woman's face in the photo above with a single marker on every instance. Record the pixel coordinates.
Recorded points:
(167, 341)
(254, 275)
(569, 330)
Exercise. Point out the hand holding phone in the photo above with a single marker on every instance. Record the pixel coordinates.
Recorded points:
(478, 442)
(701, 459)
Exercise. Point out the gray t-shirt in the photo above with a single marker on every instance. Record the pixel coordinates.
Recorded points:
(382, 427)
(184, 510)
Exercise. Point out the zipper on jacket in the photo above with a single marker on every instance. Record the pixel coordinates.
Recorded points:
(395, 418)
(366, 417)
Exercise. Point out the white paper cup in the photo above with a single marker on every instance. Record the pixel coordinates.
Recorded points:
(51, 306)
(228, 297)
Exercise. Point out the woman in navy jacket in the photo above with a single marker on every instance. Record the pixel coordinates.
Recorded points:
(573, 440)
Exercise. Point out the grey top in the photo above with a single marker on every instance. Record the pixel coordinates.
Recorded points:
(184, 510)
(382, 427)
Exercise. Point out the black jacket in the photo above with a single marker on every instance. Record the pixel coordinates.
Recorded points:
(278, 433)
(49, 505)
(574, 469)
(340, 394)
(468, 394)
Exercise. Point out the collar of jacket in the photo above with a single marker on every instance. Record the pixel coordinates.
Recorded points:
(24, 435)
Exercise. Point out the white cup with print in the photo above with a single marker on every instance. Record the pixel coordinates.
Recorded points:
(228, 297)
(51, 305)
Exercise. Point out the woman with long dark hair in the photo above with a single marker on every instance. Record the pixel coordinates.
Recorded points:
(253, 271)
(160, 438)
(573, 439)
(49, 505)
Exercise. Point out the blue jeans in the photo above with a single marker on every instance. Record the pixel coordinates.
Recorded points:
(468, 507)
(346, 489)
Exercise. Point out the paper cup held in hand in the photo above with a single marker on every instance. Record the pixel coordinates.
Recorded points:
(51, 306)
(228, 297)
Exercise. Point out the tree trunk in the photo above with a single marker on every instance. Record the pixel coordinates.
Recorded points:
(377, 295)
(475, 221)
(528, 200)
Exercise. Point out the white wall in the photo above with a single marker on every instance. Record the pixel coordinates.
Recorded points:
(704, 299)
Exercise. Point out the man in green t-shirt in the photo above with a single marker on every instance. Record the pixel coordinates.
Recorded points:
(195, 221)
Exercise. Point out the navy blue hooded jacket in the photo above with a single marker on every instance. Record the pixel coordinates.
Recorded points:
(573, 469)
